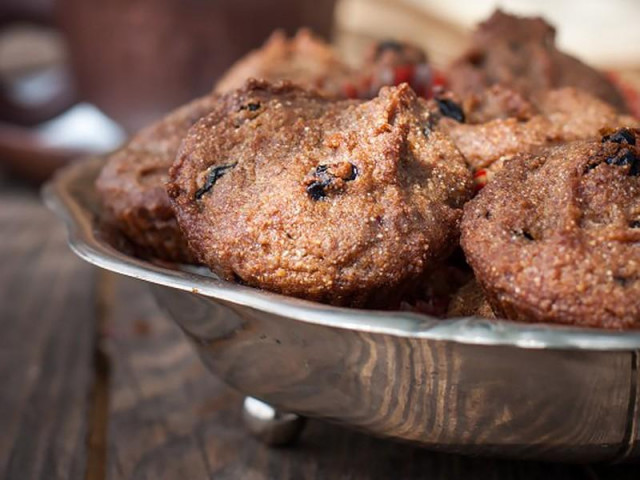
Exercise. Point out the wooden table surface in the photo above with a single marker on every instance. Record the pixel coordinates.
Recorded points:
(97, 383)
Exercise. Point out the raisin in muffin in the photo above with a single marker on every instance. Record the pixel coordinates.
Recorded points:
(555, 237)
(344, 202)
(131, 185)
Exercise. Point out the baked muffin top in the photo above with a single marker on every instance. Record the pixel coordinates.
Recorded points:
(555, 237)
(336, 201)
(520, 52)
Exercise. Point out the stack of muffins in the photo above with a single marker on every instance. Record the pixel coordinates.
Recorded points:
(507, 186)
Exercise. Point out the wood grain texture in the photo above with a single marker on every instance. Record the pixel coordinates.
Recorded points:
(46, 320)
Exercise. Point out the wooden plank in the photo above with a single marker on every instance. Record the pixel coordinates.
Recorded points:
(159, 392)
(169, 418)
(46, 320)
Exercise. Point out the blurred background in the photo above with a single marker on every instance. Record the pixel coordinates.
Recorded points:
(78, 76)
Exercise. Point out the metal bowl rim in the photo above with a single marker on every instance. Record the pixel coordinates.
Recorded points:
(63, 196)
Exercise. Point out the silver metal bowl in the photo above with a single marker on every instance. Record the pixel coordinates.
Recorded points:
(464, 385)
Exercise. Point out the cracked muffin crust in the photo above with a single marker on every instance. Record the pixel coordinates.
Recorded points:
(344, 202)
(131, 185)
(555, 237)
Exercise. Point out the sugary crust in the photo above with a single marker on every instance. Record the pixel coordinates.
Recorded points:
(343, 202)
(555, 237)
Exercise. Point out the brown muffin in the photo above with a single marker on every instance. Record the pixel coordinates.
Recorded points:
(521, 53)
(496, 102)
(555, 237)
(559, 116)
(470, 301)
(305, 59)
(312, 63)
(344, 202)
(131, 185)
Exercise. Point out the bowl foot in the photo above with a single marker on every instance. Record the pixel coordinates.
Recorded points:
(269, 425)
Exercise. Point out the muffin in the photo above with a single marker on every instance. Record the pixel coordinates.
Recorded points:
(344, 202)
(520, 53)
(131, 185)
(305, 59)
(494, 103)
(555, 237)
(559, 116)
(312, 63)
